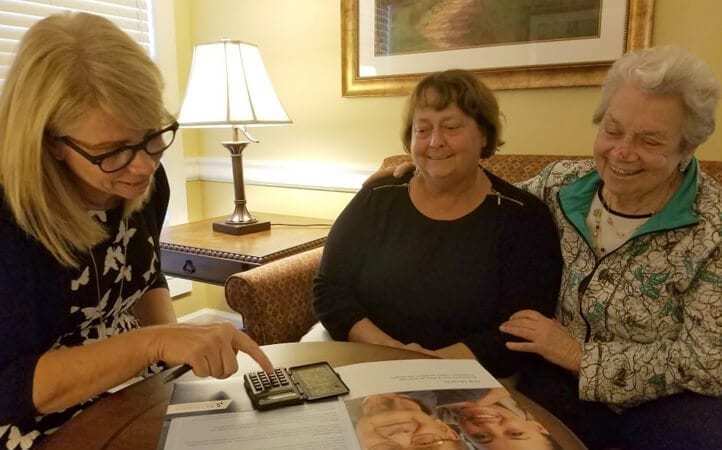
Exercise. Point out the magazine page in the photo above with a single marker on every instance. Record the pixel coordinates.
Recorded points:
(439, 404)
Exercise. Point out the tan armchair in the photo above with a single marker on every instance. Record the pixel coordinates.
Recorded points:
(275, 299)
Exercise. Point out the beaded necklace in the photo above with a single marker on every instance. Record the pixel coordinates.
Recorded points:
(610, 228)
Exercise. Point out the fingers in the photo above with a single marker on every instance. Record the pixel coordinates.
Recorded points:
(393, 343)
(414, 347)
(219, 361)
(200, 367)
(523, 328)
(417, 348)
(524, 333)
(209, 349)
(546, 338)
(379, 174)
(403, 168)
(398, 172)
(229, 361)
(527, 314)
(526, 347)
(525, 324)
(247, 345)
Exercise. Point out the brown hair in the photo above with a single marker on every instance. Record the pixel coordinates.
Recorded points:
(463, 89)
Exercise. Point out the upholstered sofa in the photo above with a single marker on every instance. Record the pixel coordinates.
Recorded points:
(275, 299)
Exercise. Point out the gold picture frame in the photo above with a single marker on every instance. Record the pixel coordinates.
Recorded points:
(638, 33)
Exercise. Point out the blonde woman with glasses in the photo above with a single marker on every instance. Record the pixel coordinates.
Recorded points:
(83, 304)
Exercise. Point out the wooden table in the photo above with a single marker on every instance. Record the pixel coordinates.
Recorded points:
(132, 418)
(195, 252)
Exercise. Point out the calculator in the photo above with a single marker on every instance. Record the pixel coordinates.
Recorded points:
(292, 386)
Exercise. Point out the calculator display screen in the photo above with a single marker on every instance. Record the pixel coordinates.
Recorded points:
(318, 381)
(282, 396)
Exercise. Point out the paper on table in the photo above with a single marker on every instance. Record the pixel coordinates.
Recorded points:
(323, 425)
(414, 375)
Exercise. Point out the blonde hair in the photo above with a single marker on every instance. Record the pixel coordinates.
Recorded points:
(66, 66)
(669, 70)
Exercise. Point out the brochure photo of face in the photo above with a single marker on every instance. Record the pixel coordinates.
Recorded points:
(446, 419)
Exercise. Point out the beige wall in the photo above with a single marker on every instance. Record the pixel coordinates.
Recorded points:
(300, 44)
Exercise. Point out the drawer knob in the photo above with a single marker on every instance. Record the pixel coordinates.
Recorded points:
(188, 267)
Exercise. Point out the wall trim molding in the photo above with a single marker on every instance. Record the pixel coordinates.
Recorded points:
(286, 174)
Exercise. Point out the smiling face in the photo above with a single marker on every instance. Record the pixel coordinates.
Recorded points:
(375, 404)
(98, 133)
(494, 427)
(403, 430)
(638, 146)
(392, 421)
(446, 144)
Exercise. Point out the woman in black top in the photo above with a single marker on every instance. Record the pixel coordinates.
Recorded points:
(83, 304)
(437, 263)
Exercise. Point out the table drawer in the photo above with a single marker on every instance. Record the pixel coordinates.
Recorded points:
(205, 268)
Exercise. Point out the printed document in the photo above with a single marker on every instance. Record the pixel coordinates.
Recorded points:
(391, 404)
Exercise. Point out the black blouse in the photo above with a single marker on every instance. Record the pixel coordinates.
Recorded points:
(437, 282)
(45, 306)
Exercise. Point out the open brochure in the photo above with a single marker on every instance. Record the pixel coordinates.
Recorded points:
(430, 404)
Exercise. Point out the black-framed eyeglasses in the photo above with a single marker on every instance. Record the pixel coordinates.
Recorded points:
(154, 144)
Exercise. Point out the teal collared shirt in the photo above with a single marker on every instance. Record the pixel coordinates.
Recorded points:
(575, 200)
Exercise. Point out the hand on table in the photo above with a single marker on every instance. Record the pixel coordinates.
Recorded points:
(414, 347)
(546, 337)
(404, 168)
(417, 348)
(366, 331)
(210, 350)
(458, 350)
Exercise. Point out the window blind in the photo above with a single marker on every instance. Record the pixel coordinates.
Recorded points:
(16, 16)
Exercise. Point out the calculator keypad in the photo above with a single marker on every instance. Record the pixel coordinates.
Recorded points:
(271, 390)
(263, 381)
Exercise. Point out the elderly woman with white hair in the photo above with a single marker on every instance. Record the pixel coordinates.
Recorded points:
(636, 345)
(639, 319)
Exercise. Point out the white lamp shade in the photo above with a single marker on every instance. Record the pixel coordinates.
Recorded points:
(229, 85)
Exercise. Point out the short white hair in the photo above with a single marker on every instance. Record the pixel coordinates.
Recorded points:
(669, 70)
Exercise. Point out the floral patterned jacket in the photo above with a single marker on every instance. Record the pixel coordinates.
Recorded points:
(648, 314)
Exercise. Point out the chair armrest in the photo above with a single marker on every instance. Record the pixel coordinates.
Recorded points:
(276, 299)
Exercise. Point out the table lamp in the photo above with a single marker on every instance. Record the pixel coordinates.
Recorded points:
(228, 86)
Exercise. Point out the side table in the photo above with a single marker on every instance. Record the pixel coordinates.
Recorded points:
(194, 251)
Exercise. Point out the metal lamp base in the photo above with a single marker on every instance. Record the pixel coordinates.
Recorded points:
(223, 226)
(241, 221)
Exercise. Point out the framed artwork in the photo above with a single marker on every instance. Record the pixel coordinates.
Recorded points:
(387, 46)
